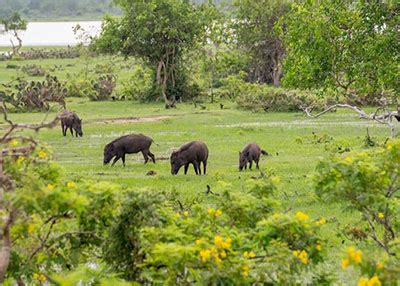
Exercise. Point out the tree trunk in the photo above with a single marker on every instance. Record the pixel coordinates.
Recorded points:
(162, 81)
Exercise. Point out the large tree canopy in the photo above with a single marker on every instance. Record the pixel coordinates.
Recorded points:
(254, 23)
(350, 46)
(159, 31)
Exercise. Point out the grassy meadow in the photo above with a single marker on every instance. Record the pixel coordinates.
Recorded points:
(286, 136)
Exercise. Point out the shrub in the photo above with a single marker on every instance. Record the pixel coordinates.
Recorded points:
(84, 84)
(138, 85)
(367, 182)
(103, 87)
(35, 95)
(80, 85)
(33, 70)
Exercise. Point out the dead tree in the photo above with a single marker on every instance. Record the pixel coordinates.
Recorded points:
(380, 115)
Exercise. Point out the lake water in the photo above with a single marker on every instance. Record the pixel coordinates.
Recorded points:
(52, 33)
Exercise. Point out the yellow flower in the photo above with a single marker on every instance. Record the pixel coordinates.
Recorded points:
(318, 247)
(216, 258)
(42, 154)
(374, 281)
(210, 211)
(218, 240)
(42, 278)
(223, 254)
(250, 254)
(71, 185)
(35, 276)
(380, 265)
(218, 212)
(177, 215)
(185, 213)
(14, 143)
(381, 215)
(302, 216)
(31, 228)
(220, 243)
(50, 186)
(205, 254)
(20, 159)
(354, 254)
(199, 241)
(302, 255)
(345, 263)
(389, 146)
(321, 221)
(245, 271)
(362, 281)
(349, 160)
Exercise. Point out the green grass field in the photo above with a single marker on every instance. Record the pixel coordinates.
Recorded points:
(224, 131)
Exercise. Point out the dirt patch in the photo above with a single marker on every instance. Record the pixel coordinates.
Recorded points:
(131, 119)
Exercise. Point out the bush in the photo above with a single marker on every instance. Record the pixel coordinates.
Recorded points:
(35, 95)
(138, 85)
(33, 70)
(103, 87)
(260, 97)
(86, 85)
(367, 182)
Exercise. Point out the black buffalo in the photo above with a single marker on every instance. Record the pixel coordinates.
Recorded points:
(128, 144)
(251, 152)
(194, 152)
(71, 121)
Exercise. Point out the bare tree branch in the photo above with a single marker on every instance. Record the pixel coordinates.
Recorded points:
(384, 118)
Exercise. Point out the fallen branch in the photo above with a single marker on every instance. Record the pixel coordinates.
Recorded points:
(384, 118)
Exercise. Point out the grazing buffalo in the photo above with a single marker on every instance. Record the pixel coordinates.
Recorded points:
(194, 153)
(251, 152)
(128, 144)
(72, 121)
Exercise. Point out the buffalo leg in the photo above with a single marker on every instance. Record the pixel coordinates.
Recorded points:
(115, 160)
(186, 168)
(257, 163)
(146, 158)
(196, 167)
(64, 131)
(152, 157)
(72, 132)
(123, 159)
(250, 164)
(205, 167)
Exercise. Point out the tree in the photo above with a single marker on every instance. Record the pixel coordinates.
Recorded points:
(160, 32)
(348, 46)
(254, 22)
(14, 23)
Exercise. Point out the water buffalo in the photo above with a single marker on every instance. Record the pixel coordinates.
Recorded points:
(251, 152)
(72, 121)
(128, 144)
(194, 153)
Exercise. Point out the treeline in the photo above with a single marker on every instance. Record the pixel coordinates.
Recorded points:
(66, 9)
(56, 9)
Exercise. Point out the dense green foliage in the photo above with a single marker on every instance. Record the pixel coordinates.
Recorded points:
(322, 210)
(349, 46)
